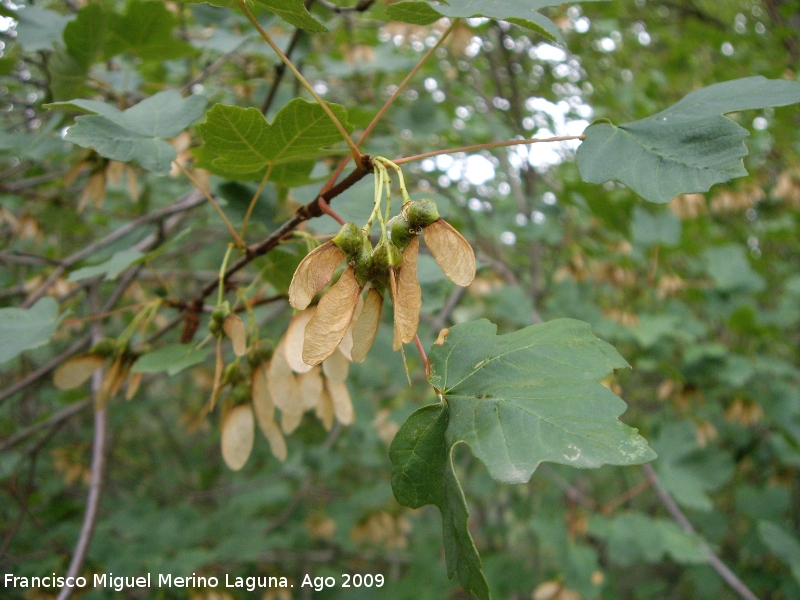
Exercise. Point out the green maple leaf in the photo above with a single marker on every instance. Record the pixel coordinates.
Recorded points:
(137, 133)
(686, 148)
(520, 12)
(422, 473)
(293, 12)
(240, 143)
(534, 395)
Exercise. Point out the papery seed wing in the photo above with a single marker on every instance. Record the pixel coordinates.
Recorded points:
(336, 366)
(134, 381)
(451, 251)
(76, 371)
(346, 345)
(120, 379)
(233, 326)
(219, 367)
(295, 336)
(325, 410)
(290, 420)
(276, 442)
(311, 387)
(109, 383)
(366, 326)
(282, 382)
(342, 405)
(262, 400)
(408, 296)
(313, 273)
(238, 434)
(327, 327)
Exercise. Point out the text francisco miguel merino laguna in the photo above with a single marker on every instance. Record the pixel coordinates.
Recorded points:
(118, 583)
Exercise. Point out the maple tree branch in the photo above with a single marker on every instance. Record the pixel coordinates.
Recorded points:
(97, 469)
(189, 201)
(715, 561)
(362, 138)
(237, 238)
(354, 151)
(255, 199)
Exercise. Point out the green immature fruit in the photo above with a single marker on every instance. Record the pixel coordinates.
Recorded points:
(385, 257)
(350, 239)
(221, 311)
(105, 347)
(401, 232)
(259, 355)
(362, 264)
(232, 374)
(240, 394)
(421, 213)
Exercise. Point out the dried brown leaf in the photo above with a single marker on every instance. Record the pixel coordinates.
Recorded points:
(407, 298)
(451, 251)
(342, 405)
(238, 433)
(327, 327)
(313, 273)
(76, 371)
(366, 326)
(311, 387)
(295, 335)
(233, 326)
(336, 366)
(325, 410)
(282, 382)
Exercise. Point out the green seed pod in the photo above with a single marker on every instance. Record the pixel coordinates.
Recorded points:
(350, 239)
(362, 264)
(260, 354)
(421, 213)
(401, 232)
(232, 374)
(105, 347)
(385, 257)
(240, 394)
(215, 326)
(220, 312)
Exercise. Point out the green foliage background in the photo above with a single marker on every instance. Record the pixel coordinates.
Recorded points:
(701, 296)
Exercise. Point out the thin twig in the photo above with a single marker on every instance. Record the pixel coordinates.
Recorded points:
(146, 244)
(97, 470)
(280, 71)
(237, 238)
(52, 420)
(354, 151)
(304, 213)
(715, 561)
(563, 138)
(332, 179)
(255, 199)
(191, 200)
(78, 346)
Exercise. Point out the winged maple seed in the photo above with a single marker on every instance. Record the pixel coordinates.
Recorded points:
(307, 388)
(264, 409)
(237, 436)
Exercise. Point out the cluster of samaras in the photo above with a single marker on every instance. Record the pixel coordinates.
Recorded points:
(391, 265)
